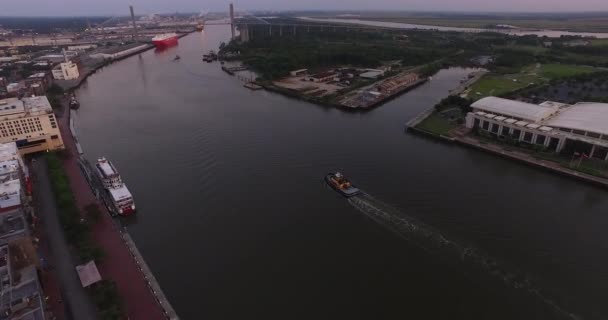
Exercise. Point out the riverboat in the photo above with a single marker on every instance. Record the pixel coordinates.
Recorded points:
(121, 198)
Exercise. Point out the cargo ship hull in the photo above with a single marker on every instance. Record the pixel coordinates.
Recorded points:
(165, 42)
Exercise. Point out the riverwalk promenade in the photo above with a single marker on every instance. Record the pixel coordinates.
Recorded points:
(119, 264)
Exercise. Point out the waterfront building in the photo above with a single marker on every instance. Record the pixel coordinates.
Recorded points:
(581, 128)
(324, 77)
(119, 51)
(299, 72)
(82, 47)
(30, 123)
(67, 70)
(397, 83)
(372, 74)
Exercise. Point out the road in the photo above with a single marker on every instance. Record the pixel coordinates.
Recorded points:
(77, 298)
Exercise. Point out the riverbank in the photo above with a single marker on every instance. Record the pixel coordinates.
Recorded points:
(138, 288)
(89, 70)
(522, 157)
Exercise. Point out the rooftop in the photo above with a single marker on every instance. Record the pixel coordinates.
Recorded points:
(516, 109)
(37, 75)
(10, 194)
(585, 116)
(88, 273)
(12, 223)
(118, 49)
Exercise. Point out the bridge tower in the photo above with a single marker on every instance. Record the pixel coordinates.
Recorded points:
(134, 24)
(232, 25)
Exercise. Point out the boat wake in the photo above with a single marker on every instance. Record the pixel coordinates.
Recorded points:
(436, 243)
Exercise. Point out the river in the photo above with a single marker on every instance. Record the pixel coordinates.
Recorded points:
(236, 222)
(514, 32)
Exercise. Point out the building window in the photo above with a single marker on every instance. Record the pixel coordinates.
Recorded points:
(54, 136)
(593, 135)
(504, 131)
(540, 139)
(485, 125)
(528, 136)
(565, 130)
(516, 133)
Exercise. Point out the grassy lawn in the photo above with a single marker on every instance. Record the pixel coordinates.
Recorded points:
(498, 84)
(436, 124)
(599, 43)
(552, 71)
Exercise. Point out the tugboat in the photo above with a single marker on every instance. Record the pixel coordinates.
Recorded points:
(339, 183)
(210, 57)
(74, 104)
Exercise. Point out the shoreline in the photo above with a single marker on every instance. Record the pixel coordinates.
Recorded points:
(270, 87)
(116, 230)
(546, 165)
(92, 71)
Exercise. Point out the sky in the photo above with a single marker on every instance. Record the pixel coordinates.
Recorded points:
(120, 7)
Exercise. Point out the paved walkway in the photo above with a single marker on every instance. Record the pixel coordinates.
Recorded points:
(118, 264)
(77, 298)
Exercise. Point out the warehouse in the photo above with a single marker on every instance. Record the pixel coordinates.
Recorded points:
(580, 128)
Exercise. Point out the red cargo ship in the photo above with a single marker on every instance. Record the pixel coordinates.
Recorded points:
(165, 40)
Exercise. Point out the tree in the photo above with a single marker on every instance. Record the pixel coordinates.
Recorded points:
(55, 90)
(93, 212)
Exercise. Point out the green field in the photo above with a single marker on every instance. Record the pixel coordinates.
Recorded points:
(436, 124)
(497, 84)
(574, 24)
(599, 43)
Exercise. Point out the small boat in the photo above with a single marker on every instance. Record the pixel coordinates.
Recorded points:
(177, 57)
(74, 104)
(339, 183)
(200, 27)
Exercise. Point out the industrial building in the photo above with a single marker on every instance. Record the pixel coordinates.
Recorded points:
(580, 128)
(66, 71)
(30, 123)
(324, 77)
(119, 51)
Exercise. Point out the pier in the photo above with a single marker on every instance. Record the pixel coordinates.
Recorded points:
(124, 264)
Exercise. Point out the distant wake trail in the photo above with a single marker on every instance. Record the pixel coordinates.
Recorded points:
(435, 243)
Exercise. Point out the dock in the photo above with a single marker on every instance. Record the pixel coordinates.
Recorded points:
(252, 86)
(149, 277)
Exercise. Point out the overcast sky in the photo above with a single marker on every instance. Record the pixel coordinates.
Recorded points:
(116, 7)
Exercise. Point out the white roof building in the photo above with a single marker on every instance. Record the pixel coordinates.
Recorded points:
(517, 109)
(580, 128)
(583, 116)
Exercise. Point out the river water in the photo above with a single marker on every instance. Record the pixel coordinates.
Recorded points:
(236, 223)
(515, 32)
